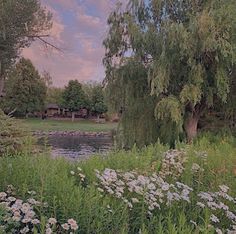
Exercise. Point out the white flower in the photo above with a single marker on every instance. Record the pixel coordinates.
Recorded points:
(214, 219)
(165, 187)
(65, 226)
(134, 200)
(24, 230)
(224, 188)
(3, 196)
(74, 226)
(79, 169)
(52, 221)
(25, 207)
(35, 221)
(72, 172)
(71, 221)
(11, 199)
(48, 231)
(200, 204)
(218, 231)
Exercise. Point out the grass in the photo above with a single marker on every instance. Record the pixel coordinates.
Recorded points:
(67, 125)
(70, 197)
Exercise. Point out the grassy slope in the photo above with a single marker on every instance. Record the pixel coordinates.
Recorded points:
(66, 125)
(52, 181)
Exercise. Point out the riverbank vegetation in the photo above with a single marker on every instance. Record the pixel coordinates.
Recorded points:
(154, 190)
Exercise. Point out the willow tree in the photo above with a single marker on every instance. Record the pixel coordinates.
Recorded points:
(187, 48)
(21, 22)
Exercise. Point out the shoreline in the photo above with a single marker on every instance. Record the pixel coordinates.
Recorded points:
(72, 133)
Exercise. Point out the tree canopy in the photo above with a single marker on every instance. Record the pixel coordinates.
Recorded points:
(96, 97)
(74, 97)
(25, 89)
(21, 22)
(187, 50)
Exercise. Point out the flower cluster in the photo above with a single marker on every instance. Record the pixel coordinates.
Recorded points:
(133, 189)
(219, 203)
(21, 216)
(173, 164)
(196, 168)
(81, 177)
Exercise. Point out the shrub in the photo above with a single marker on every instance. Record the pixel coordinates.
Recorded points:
(13, 137)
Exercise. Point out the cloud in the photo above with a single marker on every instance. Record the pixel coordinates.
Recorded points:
(79, 27)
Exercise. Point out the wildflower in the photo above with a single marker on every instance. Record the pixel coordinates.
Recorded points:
(101, 190)
(165, 187)
(11, 199)
(25, 207)
(65, 226)
(200, 204)
(35, 221)
(79, 169)
(134, 200)
(30, 214)
(3, 196)
(52, 221)
(196, 168)
(24, 230)
(224, 188)
(71, 221)
(26, 220)
(72, 172)
(32, 201)
(218, 231)
(214, 219)
(74, 226)
(48, 231)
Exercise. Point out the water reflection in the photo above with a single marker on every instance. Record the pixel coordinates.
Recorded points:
(76, 147)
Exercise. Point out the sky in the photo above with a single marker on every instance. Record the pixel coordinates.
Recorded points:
(79, 27)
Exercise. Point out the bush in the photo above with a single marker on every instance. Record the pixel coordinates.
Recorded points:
(13, 137)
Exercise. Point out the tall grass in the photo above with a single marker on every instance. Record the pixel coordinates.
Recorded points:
(68, 196)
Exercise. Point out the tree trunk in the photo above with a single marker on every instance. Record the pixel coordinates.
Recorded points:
(1, 86)
(190, 126)
(73, 116)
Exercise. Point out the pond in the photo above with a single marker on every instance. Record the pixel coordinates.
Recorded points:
(76, 147)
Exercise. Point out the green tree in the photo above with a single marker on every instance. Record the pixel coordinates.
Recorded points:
(187, 49)
(25, 89)
(21, 22)
(96, 98)
(54, 95)
(74, 97)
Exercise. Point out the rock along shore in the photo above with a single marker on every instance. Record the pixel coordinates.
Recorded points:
(72, 133)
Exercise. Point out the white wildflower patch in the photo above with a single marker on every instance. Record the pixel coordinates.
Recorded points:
(173, 164)
(219, 203)
(132, 188)
(22, 216)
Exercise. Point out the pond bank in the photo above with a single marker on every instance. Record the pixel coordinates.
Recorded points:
(72, 133)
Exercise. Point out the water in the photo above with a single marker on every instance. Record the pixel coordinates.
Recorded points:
(77, 147)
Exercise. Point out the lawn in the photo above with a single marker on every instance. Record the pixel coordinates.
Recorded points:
(67, 125)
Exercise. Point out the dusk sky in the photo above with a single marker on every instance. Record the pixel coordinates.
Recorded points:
(79, 27)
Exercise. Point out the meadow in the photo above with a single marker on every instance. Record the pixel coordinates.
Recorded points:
(46, 125)
(190, 189)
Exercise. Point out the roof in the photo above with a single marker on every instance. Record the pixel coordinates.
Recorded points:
(52, 106)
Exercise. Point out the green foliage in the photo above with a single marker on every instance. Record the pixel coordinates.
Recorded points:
(73, 96)
(95, 94)
(13, 138)
(95, 212)
(54, 95)
(187, 49)
(25, 89)
(21, 22)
